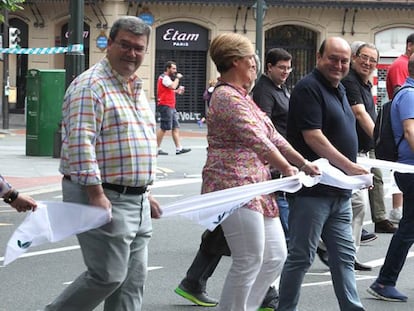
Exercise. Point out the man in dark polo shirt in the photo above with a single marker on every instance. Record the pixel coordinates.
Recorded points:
(272, 96)
(321, 125)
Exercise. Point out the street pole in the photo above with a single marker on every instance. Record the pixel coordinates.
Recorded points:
(259, 31)
(5, 98)
(75, 60)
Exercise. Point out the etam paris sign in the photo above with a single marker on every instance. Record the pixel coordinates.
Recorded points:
(182, 36)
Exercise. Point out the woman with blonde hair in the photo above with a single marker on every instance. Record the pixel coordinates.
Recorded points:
(242, 145)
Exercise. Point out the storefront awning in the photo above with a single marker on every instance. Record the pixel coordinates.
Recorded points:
(350, 4)
(87, 2)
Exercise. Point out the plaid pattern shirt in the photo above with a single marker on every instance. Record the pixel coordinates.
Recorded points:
(108, 134)
(4, 186)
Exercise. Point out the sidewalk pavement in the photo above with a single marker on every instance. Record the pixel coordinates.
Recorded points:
(33, 173)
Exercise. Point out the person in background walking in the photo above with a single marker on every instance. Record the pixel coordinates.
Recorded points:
(167, 87)
(376, 193)
(358, 91)
(272, 96)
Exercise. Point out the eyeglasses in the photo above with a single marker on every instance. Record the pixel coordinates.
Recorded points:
(285, 68)
(125, 47)
(366, 58)
(335, 60)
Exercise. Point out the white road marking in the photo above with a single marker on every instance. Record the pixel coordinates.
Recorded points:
(47, 251)
(45, 189)
(357, 278)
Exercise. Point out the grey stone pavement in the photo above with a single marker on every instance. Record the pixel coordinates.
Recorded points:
(29, 173)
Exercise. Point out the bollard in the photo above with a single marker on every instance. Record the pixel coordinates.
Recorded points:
(57, 141)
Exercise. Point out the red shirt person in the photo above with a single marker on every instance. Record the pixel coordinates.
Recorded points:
(167, 88)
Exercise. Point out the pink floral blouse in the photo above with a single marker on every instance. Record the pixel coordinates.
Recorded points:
(239, 137)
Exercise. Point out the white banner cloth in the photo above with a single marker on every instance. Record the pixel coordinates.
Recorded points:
(52, 222)
(387, 165)
(210, 209)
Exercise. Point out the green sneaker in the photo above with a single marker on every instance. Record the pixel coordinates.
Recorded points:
(265, 309)
(200, 299)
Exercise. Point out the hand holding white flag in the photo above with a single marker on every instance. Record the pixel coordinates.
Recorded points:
(52, 222)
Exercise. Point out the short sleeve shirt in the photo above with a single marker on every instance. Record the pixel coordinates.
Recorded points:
(359, 92)
(397, 73)
(402, 109)
(274, 101)
(315, 104)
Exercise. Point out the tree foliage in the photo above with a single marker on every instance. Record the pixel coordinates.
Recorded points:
(10, 5)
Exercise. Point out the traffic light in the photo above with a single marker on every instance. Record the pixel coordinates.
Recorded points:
(14, 37)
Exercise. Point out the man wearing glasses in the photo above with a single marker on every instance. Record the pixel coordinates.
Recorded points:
(108, 160)
(321, 125)
(272, 96)
(358, 91)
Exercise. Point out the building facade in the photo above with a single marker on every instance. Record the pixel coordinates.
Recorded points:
(182, 31)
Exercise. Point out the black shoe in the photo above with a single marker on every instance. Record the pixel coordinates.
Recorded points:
(385, 226)
(367, 236)
(361, 267)
(200, 299)
(386, 292)
(184, 150)
(323, 255)
(271, 300)
(160, 152)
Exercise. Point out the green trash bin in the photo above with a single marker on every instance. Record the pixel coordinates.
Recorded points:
(44, 97)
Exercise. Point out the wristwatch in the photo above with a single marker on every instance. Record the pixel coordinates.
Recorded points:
(11, 197)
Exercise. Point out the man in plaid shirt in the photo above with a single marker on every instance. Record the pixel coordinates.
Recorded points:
(108, 159)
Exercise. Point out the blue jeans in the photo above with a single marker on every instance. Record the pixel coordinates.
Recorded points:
(283, 205)
(311, 218)
(403, 238)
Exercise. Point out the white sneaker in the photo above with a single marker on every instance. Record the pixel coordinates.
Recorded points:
(395, 215)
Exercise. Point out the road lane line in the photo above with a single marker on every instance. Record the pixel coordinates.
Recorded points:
(47, 251)
(357, 278)
(379, 262)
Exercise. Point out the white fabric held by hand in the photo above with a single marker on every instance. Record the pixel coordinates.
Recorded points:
(332, 176)
(52, 222)
(210, 209)
(386, 165)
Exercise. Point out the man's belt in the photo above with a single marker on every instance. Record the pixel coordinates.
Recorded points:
(125, 189)
(119, 188)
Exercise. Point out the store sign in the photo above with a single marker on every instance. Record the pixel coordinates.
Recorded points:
(66, 32)
(147, 17)
(185, 116)
(102, 41)
(182, 36)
